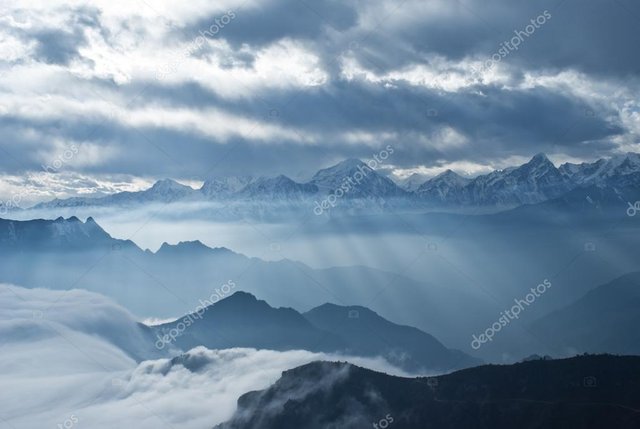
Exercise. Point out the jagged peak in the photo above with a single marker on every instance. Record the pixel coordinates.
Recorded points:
(163, 184)
(213, 181)
(330, 307)
(448, 173)
(74, 219)
(448, 176)
(345, 166)
(187, 245)
(281, 178)
(350, 162)
(631, 157)
(540, 158)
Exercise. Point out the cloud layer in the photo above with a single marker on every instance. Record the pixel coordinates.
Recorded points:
(74, 365)
(115, 91)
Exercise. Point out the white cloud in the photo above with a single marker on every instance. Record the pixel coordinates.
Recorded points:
(109, 54)
(31, 188)
(438, 73)
(65, 354)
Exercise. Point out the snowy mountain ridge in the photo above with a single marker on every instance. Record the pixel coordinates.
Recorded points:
(536, 181)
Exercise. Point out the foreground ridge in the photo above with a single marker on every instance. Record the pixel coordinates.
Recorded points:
(595, 391)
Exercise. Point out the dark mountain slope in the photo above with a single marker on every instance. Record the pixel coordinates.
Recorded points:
(241, 320)
(606, 319)
(368, 334)
(583, 392)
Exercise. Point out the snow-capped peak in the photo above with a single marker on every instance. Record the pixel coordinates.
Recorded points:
(413, 182)
(358, 177)
(452, 178)
(620, 170)
(168, 185)
(225, 186)
(331, 177)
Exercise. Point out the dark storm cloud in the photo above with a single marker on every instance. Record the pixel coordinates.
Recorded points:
(597, 38)
(273, 20)
(496, 123)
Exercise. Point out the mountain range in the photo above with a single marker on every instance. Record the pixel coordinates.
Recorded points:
(241, 320)
(604, 320)
(588, 392)
(353, 181)
(69, 253)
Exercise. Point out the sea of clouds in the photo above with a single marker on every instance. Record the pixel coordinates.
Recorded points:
(77, 359)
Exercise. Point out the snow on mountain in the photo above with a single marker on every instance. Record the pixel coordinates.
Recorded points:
(224, 187)
(618, 171)
(536, 181)
(73, 202)
(412, 183)
(277, 188)
(330, 178)
(167, 190)
(163, 191)
(533, 182)
(445, 187)
(357, 180)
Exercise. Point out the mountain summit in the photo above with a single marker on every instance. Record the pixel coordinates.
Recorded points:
(533, 182)
(241, 320)
(360, 180)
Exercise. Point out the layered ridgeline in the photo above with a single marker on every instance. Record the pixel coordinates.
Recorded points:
(87, 355)
(241, 320)
(606, 319)
(71, 254)
(582, 392)
(353, 185)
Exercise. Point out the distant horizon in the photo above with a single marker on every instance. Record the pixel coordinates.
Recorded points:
(197, 185)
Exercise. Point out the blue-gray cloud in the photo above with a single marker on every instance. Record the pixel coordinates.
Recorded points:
(495, 120)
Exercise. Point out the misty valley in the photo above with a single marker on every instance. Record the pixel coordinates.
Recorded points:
(423, 291)
(327, 214)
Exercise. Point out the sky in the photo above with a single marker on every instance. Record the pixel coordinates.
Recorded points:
(102, 96)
